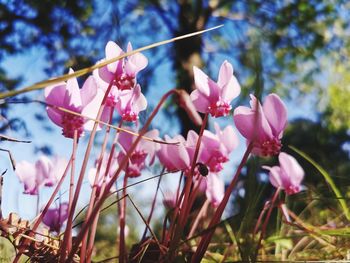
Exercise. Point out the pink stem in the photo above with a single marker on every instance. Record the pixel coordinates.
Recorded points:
(153, 205)
(40, 217)
(67, 238)
(203, 244)
(185, 205)
(86, 159)
(103, 186)
(122, 215)
(264, 227)
(201, 213)
(95, 185)
(123, 163)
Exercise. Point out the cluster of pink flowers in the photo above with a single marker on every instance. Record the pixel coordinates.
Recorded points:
(125, 94)
(45, 172)
(261, 125)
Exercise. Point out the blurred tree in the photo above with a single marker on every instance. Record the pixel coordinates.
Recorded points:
(285, 40)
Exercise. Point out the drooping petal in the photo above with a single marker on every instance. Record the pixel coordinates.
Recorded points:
(231, 90)
(72, 99)
(112, 51)
(43, 169)
(244, 119)
(275, 176)
(55, 94)
(225, 73)
(88, 91)
(103, 77)
(55, 116)
(215, 189)
(291, 167)
(227, 137)
(276, 113)
(125, 140)
(135, 63)
(200, 101)
(140, 102)
(91, 110)
(59, 165)
(201, 81)
(54, 218)
(178, 156)
(26, 173)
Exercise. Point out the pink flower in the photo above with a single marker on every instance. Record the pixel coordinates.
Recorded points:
(174, 157)
(144, 149)
(54, 218)
(51, 170)
(130, 103)
(68, 95)
(288, 175)
(169, 199)
(215, 98)
(44, 172)
(122, 72)
(263, 125)
(178, 156)
(217, 147)
(215, 189)
(112, 169)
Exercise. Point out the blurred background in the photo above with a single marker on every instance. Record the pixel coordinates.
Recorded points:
(298, 49)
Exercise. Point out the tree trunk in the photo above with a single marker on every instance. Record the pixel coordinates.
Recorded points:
(188, 52)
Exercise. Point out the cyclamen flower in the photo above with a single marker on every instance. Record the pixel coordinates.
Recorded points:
(212, 154)
(214, 189)
(130, 103)
(215, 98)
(122, 72)
(43, 173)
(217, 147)
(262, 125)
(144, 149)
(112, 169)
(54, 218)
(68, 95)
(288, 175)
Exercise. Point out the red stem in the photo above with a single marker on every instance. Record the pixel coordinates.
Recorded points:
(205, 240)
(95, 185)
(264, 227)
(122, 216)
(67, 238)
(103, 186)
(122, 165)
(185, 205)
(153, 205)
(40, 217)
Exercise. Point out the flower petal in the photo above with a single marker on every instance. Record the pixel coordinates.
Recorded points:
(201, 81)
(276, 113)
(112, 51)
(72, 100)
(200, 101)
(88, 91)
(291, 167)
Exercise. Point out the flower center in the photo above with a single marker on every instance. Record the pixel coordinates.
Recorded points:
(270, 147)
(219, 109)
(129, 116)
(138, 157)
(125, 82)
(215, 163)
(292, 189)
(71, 123)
